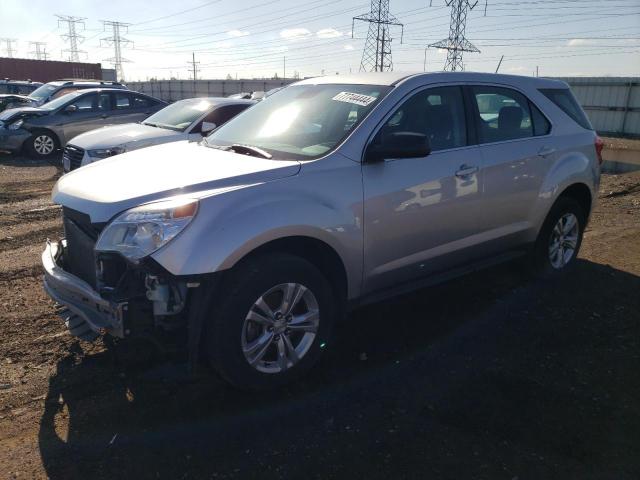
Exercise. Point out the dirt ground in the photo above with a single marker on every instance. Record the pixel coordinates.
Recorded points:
(493, 376)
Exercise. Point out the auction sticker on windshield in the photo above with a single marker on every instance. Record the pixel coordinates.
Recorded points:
(356, 98)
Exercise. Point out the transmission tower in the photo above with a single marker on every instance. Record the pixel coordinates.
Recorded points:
(118, 42)
(40, 50)
(376, 56)
(8, 45)
(457, 44)
(72, 36)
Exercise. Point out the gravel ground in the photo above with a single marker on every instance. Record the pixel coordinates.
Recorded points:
(493, 376)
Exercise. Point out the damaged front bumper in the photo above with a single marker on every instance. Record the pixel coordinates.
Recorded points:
(86, 313)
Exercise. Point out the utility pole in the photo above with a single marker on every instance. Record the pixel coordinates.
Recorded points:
(117, 41)
(40, 51)
(457, 44)
(284, 67)
(499, 63)
(72, 35)
(376, 56)
(194, 67)
(8, 45)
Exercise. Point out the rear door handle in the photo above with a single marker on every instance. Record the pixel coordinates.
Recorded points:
(465, 171)
(544, 151)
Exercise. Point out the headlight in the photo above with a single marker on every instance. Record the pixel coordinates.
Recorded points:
(16, 125)
(105, 152)
(141, 231)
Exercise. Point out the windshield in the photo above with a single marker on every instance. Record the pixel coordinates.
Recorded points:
(60, 101)
(43, 92)
(179, 115)
(301, 121)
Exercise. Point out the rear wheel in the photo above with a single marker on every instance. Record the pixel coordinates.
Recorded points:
(42, 144)
(560, 238)
(271, 323)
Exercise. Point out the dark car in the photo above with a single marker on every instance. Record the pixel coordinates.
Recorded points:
(14, 92)
(52, 90)
(42, 130)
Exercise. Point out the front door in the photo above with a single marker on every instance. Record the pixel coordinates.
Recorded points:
(422, 215)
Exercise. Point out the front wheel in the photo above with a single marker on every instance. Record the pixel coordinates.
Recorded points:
(41, 144)
(560, 237)
(271, 323)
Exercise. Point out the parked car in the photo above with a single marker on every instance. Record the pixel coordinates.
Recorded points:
(189, 119)
(42, 130)
(14, 92)
(336, 192)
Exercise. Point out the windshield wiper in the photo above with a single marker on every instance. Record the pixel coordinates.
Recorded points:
(250, 150)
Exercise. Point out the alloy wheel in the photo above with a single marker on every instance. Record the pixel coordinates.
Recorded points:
(43, 144)
(563, 241)
(280, 328)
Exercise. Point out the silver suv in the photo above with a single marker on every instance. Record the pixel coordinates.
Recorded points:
(329, 194)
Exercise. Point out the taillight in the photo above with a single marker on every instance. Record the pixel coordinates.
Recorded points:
(599, 144)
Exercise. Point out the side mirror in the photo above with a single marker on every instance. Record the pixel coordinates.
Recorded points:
(70, 108)
(207, 127)
(398, 145)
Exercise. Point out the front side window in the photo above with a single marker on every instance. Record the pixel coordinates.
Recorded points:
(437, 113)
(86, 103)
(141, 102)
(301, 121)
(503, 114)
(219, 116)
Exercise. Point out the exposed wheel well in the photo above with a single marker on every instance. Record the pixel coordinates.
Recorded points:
(316, 252)
(580, 193)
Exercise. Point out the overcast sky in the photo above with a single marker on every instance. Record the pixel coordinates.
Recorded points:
(252, 38)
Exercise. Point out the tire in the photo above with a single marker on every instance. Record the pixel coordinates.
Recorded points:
(546, 259)
(42, 144)
(229, 332)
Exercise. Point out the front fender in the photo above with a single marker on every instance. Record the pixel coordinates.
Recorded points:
(230, 226)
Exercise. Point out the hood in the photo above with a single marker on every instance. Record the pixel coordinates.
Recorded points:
(13, 113)
(135, 135)
(108, 187)
(14, 96)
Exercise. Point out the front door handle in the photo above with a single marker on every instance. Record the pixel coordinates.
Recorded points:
(545, 151)
(104, 115)
(465, 171)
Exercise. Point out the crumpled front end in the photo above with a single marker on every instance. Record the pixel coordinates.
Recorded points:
(101, 293)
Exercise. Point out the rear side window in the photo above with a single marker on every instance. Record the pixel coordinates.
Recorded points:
(565, 101)
(123, 101)
(541, 125)
(502, 114)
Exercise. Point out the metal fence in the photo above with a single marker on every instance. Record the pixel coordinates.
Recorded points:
(172, 90)
(611, 103)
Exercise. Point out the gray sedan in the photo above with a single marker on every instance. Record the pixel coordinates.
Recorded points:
(44, 129)
(189, 119)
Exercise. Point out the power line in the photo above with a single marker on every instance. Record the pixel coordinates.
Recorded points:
(457, 44)
(117, 41)
(376, 56)
(72, 35)
(40, 50)
(8, 45)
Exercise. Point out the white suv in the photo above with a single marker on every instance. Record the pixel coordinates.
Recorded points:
(331, 193)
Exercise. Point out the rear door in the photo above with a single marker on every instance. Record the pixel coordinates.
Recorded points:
(422, 215)
(517, 151)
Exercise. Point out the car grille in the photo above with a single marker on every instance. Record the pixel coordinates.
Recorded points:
(74, 154)
(81, 238)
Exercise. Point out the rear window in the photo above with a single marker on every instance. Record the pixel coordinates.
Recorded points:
(565, 101)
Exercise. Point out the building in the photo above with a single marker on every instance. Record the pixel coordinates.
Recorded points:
(47, 70)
